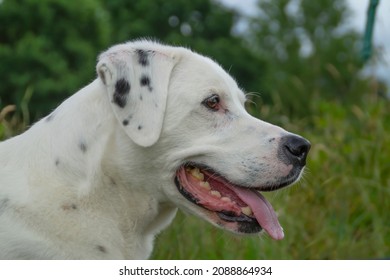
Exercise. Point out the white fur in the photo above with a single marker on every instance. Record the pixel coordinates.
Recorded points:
(79, 184)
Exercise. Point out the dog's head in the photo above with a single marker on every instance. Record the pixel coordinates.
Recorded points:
(190, 113)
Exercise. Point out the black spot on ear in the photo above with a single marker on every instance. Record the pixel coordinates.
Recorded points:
(143, 57)
(126, 121)
(145, 82)
(101, 248)
(122, 90)
(122, 86)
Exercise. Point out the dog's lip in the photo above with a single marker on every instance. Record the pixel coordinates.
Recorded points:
(230, 211)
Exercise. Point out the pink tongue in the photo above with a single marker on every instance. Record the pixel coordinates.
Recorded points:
(263, 211)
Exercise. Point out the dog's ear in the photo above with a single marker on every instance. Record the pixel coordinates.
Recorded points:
(137, 82)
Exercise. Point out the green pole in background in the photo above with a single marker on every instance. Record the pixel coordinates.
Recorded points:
(367, 40)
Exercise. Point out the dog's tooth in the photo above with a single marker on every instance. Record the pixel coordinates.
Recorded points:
(246, 210)
(197, 174)
(215, 193)
(205, 185)
(226, 199)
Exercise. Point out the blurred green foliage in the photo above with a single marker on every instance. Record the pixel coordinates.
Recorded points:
(288, 53)
(50, 46)
(309, 52)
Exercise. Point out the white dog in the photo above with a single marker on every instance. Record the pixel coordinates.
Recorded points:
(160, 128)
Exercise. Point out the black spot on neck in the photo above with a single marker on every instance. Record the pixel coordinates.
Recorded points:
(83, 146)
(122, 90)
(101, 248)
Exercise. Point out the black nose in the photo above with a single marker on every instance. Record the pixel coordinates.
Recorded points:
(294, 149)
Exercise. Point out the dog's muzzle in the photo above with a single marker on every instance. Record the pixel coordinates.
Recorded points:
(240, 208)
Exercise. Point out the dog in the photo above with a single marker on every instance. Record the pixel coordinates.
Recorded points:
(160, 128)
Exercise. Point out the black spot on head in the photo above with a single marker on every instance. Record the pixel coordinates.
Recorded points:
(122, 90)
(143, 57)
(122, 86)
(83, 146)
(125, 122)
(120, 100)
(101, 248)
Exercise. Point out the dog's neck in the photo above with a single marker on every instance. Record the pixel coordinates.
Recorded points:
(89, 159)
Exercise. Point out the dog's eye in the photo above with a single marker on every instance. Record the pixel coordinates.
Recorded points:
(212, 102)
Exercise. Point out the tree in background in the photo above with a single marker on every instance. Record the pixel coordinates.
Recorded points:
(48, 48)
(308, 51)
(292, 51)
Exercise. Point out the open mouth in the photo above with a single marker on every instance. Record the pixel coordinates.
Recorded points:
(245, 207)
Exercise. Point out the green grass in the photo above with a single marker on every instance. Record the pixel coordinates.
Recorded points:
(341, 208)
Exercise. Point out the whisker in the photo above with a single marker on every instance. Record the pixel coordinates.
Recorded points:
(253, 93)
(250, 96)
